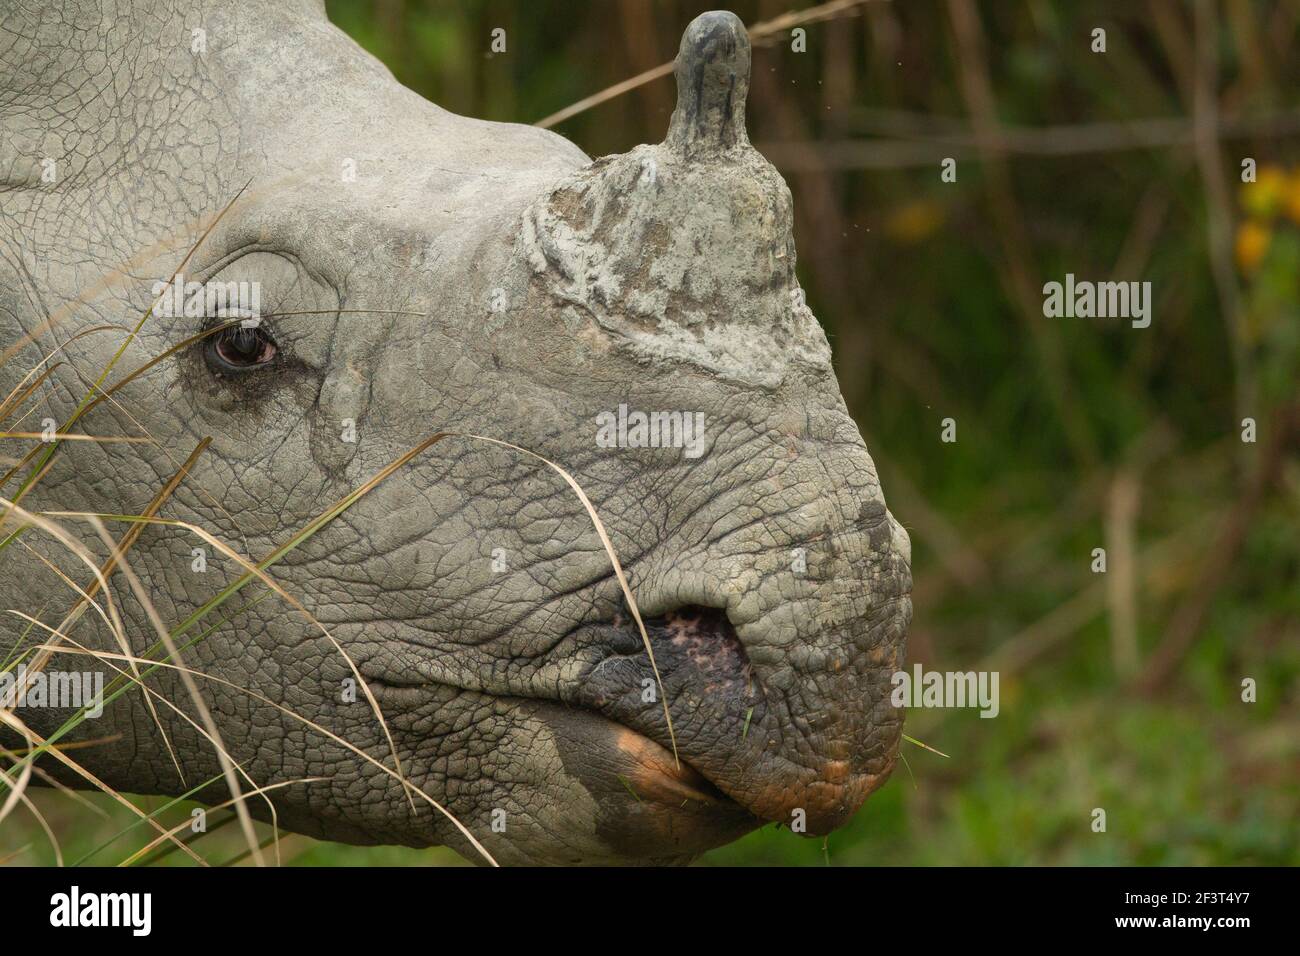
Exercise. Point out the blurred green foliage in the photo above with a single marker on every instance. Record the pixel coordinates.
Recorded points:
(1068, 161)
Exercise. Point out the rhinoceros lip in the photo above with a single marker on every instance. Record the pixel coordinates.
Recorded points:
(666, 779)
(672, 779)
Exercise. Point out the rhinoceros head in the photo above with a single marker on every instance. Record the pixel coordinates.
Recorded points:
(636, 320)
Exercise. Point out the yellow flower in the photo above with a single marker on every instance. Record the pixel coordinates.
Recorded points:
(1252, 243)
(1263, 197)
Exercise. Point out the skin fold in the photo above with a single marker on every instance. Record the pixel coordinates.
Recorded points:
(475, 277)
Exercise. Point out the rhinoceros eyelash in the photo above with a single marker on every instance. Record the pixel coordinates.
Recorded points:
(288, 327)
(281, 332)
(215, 325)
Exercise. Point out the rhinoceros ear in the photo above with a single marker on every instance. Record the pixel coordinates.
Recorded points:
(712, 71)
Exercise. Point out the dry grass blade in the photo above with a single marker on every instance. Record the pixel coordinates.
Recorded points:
(154, 813)
(260, 791)
(26, 459)
(106, 571)
(190, 840)
(10, 857)
(10, 402)
(16, 787)
(205, 715)
(613, 560)
(106, 655)
(75, 745)
(47, 654)
(70, 436)
(43, 746)
(40, 819)
(765, 30)
(42, 822)
(913, 740)
(257, 572)
(228, 763)
(110, 617)
(167, 490)
(15, 398)
(609, 93)
(114, 625)
(58, 785)
(254, 571)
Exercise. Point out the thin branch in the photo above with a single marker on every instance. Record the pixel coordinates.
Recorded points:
(758, 34)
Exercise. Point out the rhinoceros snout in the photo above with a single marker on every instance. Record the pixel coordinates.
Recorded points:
(774, 645)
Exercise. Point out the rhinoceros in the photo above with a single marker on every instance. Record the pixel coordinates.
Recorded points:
(452, 658)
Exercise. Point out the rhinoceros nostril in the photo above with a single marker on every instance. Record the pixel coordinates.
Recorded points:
(692, 644)
(707, 641)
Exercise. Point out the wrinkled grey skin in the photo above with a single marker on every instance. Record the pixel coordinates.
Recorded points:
(552, 289)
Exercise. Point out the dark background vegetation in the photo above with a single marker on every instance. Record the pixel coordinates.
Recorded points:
(1119, 690)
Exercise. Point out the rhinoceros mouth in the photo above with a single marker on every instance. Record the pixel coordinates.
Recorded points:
(702, 670)
(748, 746)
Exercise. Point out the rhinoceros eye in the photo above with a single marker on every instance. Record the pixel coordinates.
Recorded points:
(240, 348)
